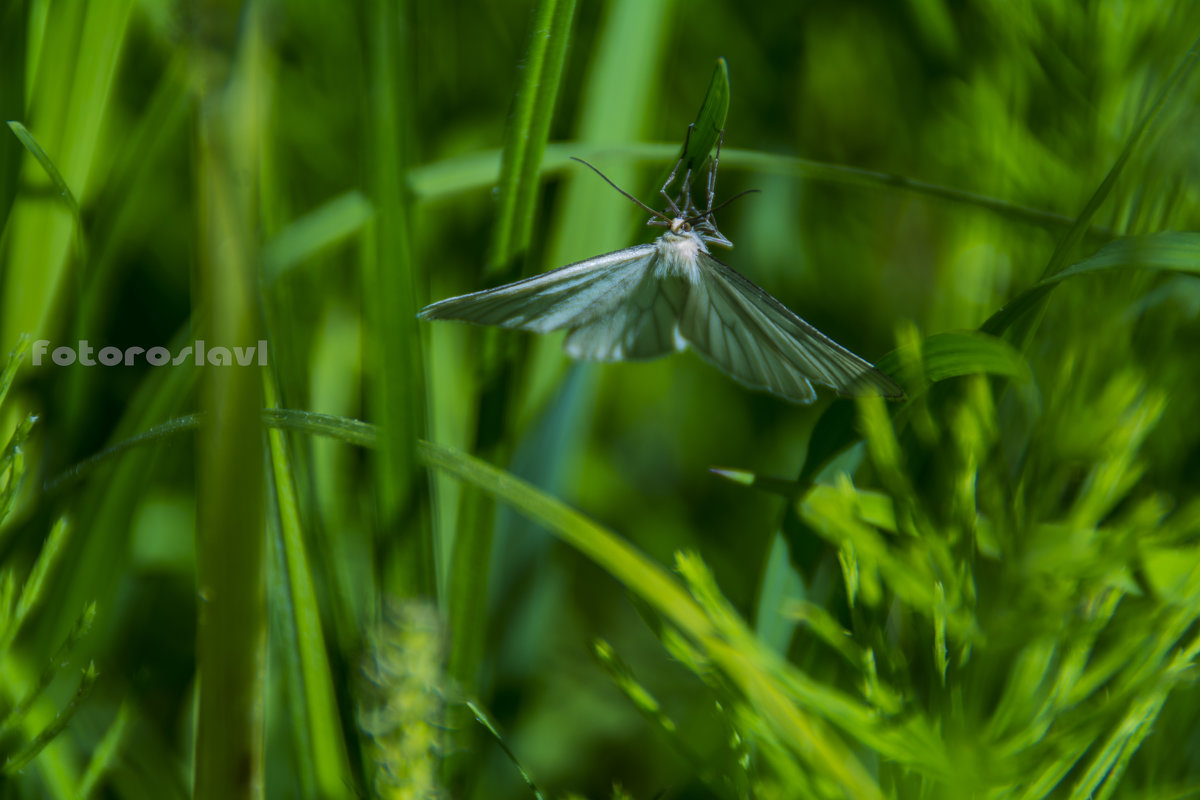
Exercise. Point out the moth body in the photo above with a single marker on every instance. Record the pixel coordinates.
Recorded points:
(678, 255)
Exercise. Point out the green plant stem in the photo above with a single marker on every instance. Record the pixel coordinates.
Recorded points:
(525, 140)
(231, 632)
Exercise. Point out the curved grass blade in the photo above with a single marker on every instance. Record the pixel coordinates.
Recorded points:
(602, 546)
(1171, 251)
(72, 71)
(60, 183)
(441, 179)
(483, 719)
(79, 471)
(349, 431)
(724, 637)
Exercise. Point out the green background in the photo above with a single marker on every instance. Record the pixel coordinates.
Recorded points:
(993, 592)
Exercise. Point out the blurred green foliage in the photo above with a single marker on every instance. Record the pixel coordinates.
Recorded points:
(990, 590)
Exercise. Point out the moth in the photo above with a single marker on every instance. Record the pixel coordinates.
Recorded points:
(652, 299)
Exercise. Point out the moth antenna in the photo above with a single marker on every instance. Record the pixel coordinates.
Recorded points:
(727, 201)
(645, 207)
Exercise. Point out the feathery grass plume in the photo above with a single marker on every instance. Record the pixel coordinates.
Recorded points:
(402, 701)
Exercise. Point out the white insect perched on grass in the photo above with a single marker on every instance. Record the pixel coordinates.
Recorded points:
(651, 299)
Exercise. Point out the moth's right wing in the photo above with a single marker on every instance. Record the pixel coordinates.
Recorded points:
(569, 297)
(756, 339)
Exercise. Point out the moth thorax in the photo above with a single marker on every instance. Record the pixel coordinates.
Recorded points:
(678, 254)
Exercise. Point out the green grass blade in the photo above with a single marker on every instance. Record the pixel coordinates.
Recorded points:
(483, 719)
(780, 588)
(62, 190)
(350, 431)
(48, 558)
(710, 120)
(18, 714)
(441, 179)
(526, 133)
(20, 759)
(60, 184)
(77, 66)
(105, 756)
(341, 218)
(316, 727)
(404, 544)
(1170, 251)
(528, 130)
(13, 473)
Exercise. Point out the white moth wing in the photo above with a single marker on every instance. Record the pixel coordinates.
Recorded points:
(645, 324)
(757, 340)
(567, 297)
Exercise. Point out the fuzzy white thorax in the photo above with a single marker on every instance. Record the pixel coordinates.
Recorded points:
(678, 255)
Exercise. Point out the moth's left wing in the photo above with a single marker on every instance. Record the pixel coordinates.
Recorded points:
(644, 325)
(563, 298)
(757, 340)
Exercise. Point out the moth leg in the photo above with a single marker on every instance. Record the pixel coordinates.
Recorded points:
(712, 174)
(685, 195)
(675, 171)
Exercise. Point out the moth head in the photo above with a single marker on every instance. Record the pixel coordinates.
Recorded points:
(683, 216)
